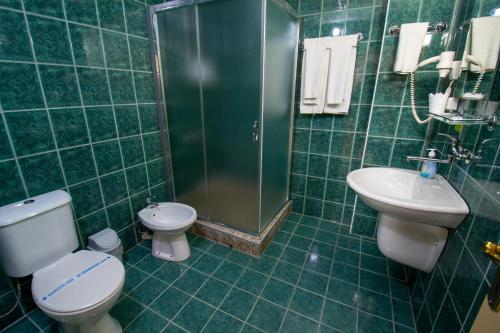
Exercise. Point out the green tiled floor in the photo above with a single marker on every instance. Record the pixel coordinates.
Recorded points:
(312, 284)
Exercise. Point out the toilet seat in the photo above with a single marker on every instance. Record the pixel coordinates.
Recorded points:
(168, 216)
(77, 282)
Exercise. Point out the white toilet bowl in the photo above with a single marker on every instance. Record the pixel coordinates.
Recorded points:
(79, 289)
(169, 221)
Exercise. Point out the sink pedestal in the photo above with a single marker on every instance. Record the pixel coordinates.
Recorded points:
(172, 247)
(415, 213)
(417, 245)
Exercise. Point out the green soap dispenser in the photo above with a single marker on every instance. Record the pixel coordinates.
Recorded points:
(429, 168)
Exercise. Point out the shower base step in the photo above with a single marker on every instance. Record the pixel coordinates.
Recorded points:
(254, 245)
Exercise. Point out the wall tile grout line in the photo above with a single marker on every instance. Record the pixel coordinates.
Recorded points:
(119, 69)
(335, 145)
(108, 82)
(80, 95)
(135, 100)
(62, 20)
(78, 106)
(44, 100)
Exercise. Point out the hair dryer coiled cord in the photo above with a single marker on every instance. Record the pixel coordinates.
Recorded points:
(412, 101)
(478, 81)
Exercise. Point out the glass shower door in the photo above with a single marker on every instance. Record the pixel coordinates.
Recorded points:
(281, 45)
(178, 48)
(230, 49)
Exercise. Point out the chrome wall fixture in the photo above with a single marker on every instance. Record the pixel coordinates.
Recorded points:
(435, 27)
(457, 152)
(359, 34)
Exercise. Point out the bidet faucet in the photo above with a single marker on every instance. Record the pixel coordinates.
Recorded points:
(150, 203)
(459, 152)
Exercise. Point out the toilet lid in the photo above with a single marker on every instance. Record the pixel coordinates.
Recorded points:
(77, 281)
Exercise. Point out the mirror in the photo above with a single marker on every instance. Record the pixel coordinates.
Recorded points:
(479, 139)
(475, 39)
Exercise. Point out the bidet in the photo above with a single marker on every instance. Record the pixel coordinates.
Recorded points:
(169, 221)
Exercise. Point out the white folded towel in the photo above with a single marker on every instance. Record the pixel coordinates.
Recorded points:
(314, 72)
(411, 40)
(483, 42)
(340, 73)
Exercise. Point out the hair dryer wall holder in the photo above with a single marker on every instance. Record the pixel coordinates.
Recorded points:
(435, 27)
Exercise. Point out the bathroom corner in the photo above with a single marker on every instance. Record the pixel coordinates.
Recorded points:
(177, 131)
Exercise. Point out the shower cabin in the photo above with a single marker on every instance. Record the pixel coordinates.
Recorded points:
(225, 77)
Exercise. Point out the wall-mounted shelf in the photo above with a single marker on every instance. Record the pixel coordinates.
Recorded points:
(466, 119)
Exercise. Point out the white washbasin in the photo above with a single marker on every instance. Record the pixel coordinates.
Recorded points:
(405, 195)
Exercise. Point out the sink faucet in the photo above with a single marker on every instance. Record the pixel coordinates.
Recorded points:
(459, 152)
(478, 156)
(150, 203)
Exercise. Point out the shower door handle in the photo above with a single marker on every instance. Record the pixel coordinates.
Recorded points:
(255, 131)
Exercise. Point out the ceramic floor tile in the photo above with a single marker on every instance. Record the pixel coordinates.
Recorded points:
(307, 303)
(252, 281)
(278, 292)
(267, 316)
(228, 272)
(221, 321)
(370, 323)
(238, 303)
(148, 290)
(264, 264)
(343, 292)
(194, 315)
(288, 290)
(286, 272)
(313, 282)
(339, 316)
(190, 281)
(295, 323)
(147, 321)
(170, 302)
(213, 291)
(126, 310)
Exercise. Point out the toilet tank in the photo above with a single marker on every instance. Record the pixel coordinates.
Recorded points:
(36, 232)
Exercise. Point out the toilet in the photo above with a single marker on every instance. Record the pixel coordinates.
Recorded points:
(169, 222)
(38, 237)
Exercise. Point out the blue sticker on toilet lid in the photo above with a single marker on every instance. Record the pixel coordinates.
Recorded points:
(79, 275)
(77, 281)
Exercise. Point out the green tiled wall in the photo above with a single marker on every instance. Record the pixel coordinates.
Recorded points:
(327, 147)
(78, 113)
(78, 109)
(448, 298)
(393, 134)
(380, 131)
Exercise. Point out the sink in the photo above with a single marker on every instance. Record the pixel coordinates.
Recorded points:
(414, 213)
(405, 194)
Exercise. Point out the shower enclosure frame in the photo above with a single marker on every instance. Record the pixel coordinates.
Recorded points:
(158, 72)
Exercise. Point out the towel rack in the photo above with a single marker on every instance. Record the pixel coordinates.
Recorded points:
(437, 27)
(360, 38)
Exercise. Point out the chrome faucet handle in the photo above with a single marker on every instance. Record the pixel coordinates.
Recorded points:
(459, 152)
(453, 140)
(150, 201)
